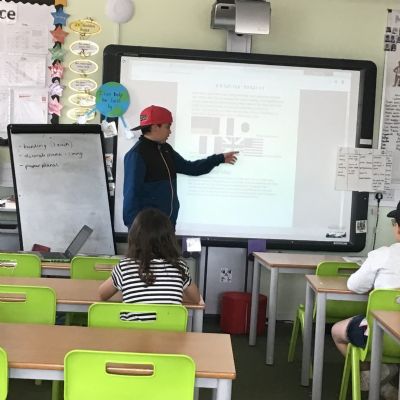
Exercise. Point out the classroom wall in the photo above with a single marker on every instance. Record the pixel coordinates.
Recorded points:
(315, 28)
(318, 28)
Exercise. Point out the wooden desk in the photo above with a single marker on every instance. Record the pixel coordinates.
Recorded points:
(320, 288)
(25, 344)
(384, 321)
(76, 295)
(278, 263)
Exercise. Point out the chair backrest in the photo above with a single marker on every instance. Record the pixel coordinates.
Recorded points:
(386, 300)
(168, 317)
(340, 309)
(101, 375)
(3, 374)
(19, 264)
(83, 267)
(27, 304)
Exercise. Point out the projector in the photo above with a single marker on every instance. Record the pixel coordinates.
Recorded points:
(250, 17)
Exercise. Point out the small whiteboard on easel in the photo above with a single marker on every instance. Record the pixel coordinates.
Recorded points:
(60, 184)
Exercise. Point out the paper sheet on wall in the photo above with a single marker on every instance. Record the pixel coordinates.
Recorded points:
(24, 39)
(27, 70)
(4, 111)
(29, 106)
(363, 170)
(389, 136)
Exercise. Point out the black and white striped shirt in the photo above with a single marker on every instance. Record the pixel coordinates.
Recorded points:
(167, 288)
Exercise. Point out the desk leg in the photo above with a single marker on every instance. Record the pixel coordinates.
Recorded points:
(224, 390)
(198, 320)
(254, 303)
(319, 347)
(307, 336)
(272, 300)
(376, 356)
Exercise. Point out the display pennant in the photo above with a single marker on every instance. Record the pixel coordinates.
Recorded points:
(56, 70)
(60, 17)
(55, 107)
(57, 52)
(59, 35)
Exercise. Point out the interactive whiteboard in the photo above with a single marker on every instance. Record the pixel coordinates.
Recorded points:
(286, 115)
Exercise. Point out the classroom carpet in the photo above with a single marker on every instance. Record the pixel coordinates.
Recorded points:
(255, 380)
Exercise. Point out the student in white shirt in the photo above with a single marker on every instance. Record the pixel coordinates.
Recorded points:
(381, 270)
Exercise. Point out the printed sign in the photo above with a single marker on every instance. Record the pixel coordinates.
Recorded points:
(85, 27)
(8, 13)
(82, 85)
(84, 67)
(75, 113)
(84, 48)
(82, 99)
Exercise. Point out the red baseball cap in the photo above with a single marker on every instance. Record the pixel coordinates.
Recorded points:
(154, 115)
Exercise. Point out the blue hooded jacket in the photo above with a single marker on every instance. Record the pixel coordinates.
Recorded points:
(150, 170)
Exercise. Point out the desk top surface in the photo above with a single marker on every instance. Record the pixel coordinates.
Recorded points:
(292, 260)
(45, 346)
(74, 291)
(330, 284)
(390, 320)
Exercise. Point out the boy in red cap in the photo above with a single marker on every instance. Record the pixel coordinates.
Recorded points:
(151, 166)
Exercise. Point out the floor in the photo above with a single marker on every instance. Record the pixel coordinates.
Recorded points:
(255, 380)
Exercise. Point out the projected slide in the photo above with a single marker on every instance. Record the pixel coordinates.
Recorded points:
(287, 123)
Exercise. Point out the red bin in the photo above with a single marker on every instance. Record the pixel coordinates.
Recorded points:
(235, 313)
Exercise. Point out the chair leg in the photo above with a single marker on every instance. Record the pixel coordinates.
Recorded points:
(55, 390)
(355, 374)
(346, 375)
(298, 324)
(293, 338)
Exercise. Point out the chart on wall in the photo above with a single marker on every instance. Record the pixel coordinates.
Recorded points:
(24, 44)
(390, 109)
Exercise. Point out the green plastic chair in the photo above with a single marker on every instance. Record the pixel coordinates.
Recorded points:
(19, 264)
(335, 310)
(83, 267)
(3, 374)
(27, 304)
(169, 317)
(89, 267)
(93, 375)
(379, 299)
